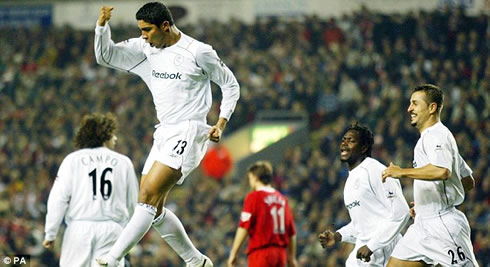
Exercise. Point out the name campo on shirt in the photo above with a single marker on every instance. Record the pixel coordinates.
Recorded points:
(165, 75)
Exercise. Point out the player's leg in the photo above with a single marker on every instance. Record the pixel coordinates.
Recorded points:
(411, 249)
(172, 231)
(351, 260)
(465, 238)
(268, 256)
(168, 224)
(154, 189)
(394, 262)
(256, 258)
(106, 234)
(77, 245)
(450, 232)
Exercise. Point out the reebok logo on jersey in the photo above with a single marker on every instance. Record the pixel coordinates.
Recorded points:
(390, 194)
(438, 147)
(164, 75)
(355, 203)
(414, 164)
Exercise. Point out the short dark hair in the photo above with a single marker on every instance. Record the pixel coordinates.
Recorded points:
(263, 170)
(434, 94)
(95, 130)
(155, 13)
(366, 137)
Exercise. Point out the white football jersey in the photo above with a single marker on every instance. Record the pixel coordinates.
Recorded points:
(92, 184)
(438, 147)
(178, 76)
(378, 210)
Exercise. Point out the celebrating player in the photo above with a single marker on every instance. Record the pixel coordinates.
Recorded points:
(268, 220)
(95, 191)
(378, 211)
(440, 233)
(178, 70)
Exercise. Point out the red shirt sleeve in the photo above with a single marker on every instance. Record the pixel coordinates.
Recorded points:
(247, 214)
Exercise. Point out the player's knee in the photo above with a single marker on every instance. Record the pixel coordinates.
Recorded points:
(149, 196)
(391, 262)
(394, 262)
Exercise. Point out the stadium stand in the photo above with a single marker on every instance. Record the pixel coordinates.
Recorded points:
(357, 67)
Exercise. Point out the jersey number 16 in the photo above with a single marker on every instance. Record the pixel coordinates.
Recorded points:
(106, 193)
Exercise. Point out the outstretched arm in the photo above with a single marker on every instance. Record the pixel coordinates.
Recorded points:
(126, 56)
(429, 173)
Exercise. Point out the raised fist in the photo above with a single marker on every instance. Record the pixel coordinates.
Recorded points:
(105, 14)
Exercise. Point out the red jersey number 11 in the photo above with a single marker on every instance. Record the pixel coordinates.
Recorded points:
(278, 218)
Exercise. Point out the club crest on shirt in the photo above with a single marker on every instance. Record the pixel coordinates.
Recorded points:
(178, 60)
(245, 216)
(390, 194)
(221, 63)
(414, 164)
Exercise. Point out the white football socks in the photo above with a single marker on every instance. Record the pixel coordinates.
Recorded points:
(172, 231)
(135, 230)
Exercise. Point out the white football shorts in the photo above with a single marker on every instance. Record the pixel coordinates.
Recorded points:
(179, 146)
(442, 239)
(85, 241)
(379, 258)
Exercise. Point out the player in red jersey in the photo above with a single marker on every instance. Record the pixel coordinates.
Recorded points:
(268, 220)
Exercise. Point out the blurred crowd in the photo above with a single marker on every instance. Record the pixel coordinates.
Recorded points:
(361, 66)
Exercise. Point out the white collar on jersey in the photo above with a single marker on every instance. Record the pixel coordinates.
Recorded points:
(363, 162)
(266, 189)
(426, 130)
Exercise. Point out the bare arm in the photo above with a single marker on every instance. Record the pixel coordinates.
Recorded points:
(292, 252)
(429, 173)
(240, 236)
